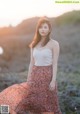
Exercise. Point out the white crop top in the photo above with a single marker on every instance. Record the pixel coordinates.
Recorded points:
(42, 57)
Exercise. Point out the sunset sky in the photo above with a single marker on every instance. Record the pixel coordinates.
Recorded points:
(12, 12)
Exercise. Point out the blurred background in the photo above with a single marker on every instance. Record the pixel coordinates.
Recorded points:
(17, 27)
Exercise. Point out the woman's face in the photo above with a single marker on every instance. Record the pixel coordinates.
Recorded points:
(44, 29)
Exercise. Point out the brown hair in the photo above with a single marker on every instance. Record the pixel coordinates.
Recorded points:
(37, 36)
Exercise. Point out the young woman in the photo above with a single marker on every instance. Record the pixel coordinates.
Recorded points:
(39, 94)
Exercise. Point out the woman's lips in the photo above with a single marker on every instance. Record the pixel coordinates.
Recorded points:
(43, 32)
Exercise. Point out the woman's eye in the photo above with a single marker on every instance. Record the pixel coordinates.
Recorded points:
(45, 27)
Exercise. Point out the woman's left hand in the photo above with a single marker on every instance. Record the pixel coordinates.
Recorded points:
(52, 85)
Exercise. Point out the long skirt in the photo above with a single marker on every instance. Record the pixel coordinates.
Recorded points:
(34, 95)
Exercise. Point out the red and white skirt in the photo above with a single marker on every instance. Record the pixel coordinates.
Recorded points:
(33, 95)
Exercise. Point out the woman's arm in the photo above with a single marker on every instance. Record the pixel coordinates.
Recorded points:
(56, 50)
(31, 64)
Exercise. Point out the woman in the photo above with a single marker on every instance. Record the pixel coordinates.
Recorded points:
(39, 94)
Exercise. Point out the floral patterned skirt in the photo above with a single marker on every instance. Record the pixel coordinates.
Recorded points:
(33, 95)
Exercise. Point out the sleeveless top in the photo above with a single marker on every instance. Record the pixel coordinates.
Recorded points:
(42, 57)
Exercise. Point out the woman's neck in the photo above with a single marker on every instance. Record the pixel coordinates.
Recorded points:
(43, 39)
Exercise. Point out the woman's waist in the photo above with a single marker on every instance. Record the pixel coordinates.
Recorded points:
(42, 65)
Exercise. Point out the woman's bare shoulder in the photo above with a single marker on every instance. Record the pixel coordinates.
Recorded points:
(54, 42)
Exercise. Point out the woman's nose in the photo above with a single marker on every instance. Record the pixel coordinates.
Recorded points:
(43, 29)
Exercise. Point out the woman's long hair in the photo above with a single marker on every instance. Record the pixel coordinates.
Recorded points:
(37, 36)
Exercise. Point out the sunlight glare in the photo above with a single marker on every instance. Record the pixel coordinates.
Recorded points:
(1, 50)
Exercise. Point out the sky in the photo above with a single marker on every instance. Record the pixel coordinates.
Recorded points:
(13, 12)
